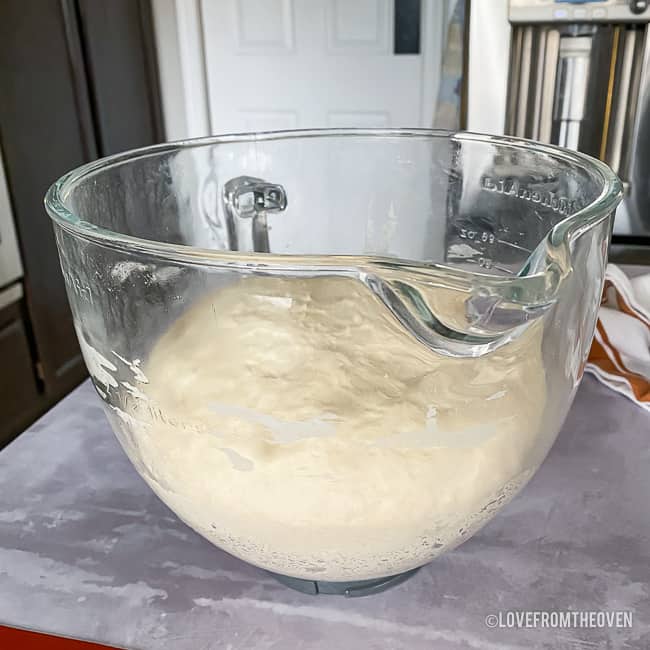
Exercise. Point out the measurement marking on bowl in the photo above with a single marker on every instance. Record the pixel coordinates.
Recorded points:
(76, 286)
(489, 263)
(134, 390)
(477, 235)
(517, 246)
(134, 367)
(99, 367)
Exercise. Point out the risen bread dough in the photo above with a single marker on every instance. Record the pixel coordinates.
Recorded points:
(297, 425)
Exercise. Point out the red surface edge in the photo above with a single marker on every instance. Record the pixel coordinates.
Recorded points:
(14, 639)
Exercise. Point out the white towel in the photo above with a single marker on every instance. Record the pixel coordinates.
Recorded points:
(620, 353)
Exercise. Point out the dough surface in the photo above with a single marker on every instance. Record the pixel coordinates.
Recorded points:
(297, 425)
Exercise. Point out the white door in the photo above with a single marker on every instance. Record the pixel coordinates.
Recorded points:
(283, 64)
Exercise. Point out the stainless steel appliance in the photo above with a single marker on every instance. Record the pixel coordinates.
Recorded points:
(577, 75)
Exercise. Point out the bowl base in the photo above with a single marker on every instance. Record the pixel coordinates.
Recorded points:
(350, 589)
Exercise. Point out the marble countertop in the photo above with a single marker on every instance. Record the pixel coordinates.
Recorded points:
(87, 550)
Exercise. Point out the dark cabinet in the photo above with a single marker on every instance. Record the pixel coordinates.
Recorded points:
(41, 135)
(130, 117)
(18, 387)
(77, 81)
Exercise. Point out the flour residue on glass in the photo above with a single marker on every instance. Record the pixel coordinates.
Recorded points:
(99, 367)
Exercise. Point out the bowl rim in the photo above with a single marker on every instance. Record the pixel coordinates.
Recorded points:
(55, 198)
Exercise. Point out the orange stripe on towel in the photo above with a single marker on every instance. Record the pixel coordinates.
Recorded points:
(608, 359)
(624, 307)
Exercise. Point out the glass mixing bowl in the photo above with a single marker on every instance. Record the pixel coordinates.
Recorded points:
(336, 354)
